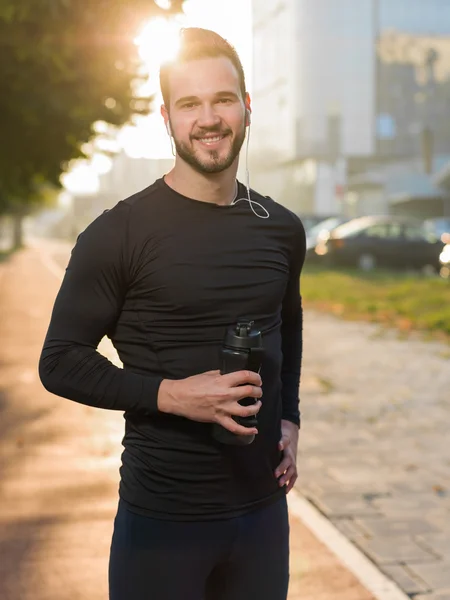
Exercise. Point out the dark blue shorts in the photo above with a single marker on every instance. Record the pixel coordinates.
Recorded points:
(244, 558)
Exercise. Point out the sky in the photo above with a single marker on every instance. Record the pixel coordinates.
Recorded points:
(229, 18)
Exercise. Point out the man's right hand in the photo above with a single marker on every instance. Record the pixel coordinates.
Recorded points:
(213, 398)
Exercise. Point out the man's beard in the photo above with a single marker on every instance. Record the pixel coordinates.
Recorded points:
(215, 164)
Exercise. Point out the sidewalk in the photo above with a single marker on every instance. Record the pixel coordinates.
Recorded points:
(59, 471)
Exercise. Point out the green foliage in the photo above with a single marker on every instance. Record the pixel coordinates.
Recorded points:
(64, 64)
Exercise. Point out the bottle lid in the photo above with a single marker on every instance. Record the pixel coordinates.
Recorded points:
(243, 336)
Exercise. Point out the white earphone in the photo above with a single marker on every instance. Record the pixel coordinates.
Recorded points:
(169, 129)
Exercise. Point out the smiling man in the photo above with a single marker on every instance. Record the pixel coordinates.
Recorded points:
(209, 126)
(164, 274)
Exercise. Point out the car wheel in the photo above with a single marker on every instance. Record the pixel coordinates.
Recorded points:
(367, 262)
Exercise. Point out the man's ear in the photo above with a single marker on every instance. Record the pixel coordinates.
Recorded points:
(166, 117)
(164, 114)
(248, 109)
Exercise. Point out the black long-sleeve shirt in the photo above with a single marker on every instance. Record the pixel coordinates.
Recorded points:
(163, 276)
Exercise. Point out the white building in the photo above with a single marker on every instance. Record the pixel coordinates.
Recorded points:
(313, 96)
(320, 99)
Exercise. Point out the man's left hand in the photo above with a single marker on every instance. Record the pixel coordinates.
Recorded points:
(286, 472)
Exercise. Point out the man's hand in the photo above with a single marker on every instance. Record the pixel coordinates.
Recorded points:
(213, 398)
(286, 472)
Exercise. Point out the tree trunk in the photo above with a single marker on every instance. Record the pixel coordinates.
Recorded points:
(17, 231)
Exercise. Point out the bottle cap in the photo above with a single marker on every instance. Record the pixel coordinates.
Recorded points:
(243, 336)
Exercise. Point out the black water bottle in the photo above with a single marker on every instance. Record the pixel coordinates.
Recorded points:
(242, 349)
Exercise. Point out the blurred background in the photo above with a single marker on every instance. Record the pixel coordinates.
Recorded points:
(351, 103)
(350, 127)
(350, 131)
(350, 113)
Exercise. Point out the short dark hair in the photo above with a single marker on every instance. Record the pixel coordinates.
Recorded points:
(197, 43)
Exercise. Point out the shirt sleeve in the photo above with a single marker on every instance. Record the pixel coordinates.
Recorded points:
(292, 330)
(86, 309)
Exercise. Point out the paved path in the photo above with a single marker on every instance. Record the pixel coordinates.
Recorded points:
(59, 470)
(375, 450)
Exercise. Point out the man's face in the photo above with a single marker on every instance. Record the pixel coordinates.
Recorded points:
(207, 113)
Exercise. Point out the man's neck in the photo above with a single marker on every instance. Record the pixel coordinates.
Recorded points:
(216, 188)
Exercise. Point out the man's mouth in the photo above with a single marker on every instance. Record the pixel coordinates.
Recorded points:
(212, 139)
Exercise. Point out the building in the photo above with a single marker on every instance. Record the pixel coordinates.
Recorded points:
(343, 86)
(442, 180)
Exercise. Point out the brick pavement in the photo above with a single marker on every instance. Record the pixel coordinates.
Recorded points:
(59, 471)
(375, 456)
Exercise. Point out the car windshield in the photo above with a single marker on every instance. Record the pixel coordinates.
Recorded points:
(328, 224)
(352, 227)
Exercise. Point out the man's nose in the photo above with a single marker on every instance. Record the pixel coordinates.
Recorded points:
(208, 117)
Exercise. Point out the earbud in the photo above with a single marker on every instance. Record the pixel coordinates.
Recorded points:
(169, 129)
(249, 117)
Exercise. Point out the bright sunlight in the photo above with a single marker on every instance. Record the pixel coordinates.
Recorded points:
(158, 42)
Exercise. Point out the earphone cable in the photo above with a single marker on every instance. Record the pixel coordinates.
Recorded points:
(248, 199)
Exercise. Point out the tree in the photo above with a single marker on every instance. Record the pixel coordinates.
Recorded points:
(64, 65)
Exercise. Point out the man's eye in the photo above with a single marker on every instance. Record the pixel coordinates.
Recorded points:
(189, 105)
(224, 100)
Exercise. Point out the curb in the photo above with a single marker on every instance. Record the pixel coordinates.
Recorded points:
(350, 556)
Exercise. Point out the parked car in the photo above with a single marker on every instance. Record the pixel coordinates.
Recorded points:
(322, 230)
(369, 242)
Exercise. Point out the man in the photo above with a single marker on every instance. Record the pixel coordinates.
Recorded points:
(164, 274)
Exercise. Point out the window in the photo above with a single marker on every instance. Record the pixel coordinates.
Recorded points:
(395, 231)
(391, 231)
(414, 233)
(378, 231)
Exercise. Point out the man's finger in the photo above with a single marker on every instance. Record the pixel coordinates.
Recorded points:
(247, 391)
(291, 483)
(242, 377)
(283, 466)
(288, 476)
(234, 427)
(245, 411)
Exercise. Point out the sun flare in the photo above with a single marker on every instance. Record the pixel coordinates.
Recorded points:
(158, 42)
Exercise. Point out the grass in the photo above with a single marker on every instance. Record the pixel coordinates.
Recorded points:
(407, 302)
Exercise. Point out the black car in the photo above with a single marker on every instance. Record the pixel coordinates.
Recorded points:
(369, 242)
